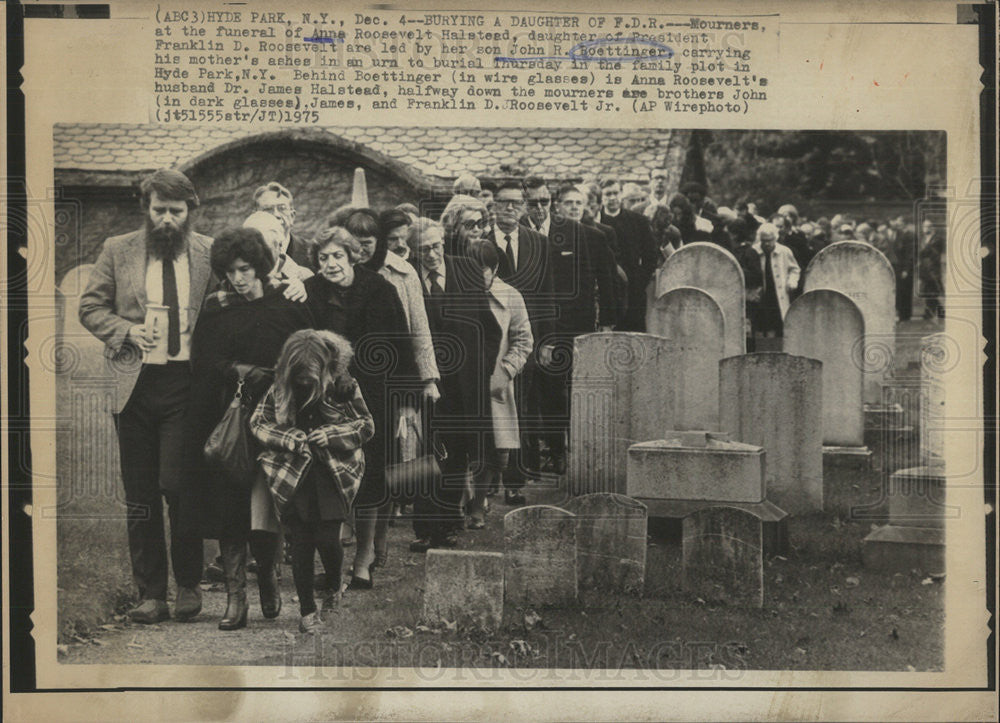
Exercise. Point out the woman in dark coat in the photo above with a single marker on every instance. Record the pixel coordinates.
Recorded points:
(360, 305)
(240, 332)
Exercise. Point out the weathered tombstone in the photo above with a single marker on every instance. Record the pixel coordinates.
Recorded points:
(88, 384)
(619, 395)
(775, 400)
(539, 544)
(714, 270)
(723, 556)
(863, 273)
(691, 470)
(465, 587)
(610, 541)
(694, 325)
(914, 537)
(934, 356)
(827, 325)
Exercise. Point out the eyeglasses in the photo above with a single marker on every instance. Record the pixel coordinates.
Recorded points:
(426, 250)
(473, 224)
(513, 202)
(538, 202)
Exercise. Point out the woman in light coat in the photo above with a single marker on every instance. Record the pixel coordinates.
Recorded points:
(774, 298)
(516, 343)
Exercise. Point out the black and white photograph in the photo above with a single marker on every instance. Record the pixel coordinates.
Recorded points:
(500, 398)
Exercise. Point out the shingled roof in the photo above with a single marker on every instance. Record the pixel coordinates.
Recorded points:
(436, 152)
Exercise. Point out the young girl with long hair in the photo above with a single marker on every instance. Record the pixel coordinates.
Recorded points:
(313, 422)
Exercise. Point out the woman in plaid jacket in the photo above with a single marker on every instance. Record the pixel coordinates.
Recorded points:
(312, 423)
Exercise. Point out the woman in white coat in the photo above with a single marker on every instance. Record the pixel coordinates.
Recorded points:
(516, 343)
(781, 276)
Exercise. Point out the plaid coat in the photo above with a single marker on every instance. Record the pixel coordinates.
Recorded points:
(285, 460)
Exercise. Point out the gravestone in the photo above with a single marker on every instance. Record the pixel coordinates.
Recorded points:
(934, 361)
(714, 270)
(692, 470)
(610, 541)
(620, 394)
(465, 587)
(775, 401)
(539, 556)
(914, 537)
(694, 325)
(863, 273)
(827, 325)
(723, 556)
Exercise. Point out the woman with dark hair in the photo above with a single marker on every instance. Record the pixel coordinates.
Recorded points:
(403, 277)
(395, 225)
(516, 343)
(349, 299)
(239, 335)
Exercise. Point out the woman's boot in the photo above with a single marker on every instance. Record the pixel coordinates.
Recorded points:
(264, 546)
(234, 562)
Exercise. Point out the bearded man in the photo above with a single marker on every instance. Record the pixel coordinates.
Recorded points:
(163, 263)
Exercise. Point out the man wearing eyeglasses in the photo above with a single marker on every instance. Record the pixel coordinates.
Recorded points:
(582, 269)
(275, 199)
(524, 264)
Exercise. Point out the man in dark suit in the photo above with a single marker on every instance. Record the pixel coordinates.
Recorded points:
(582, 272)
(275, 199)
(464, 329)
(524, 264)
(167, 264)
(637, 251)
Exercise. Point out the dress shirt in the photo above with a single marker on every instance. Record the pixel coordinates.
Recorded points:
(154, 295)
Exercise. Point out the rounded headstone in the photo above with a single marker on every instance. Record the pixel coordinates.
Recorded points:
(694, 326)
(539, 545)
(713, 269)
(825, 324)
(863, 273)
(610, 541)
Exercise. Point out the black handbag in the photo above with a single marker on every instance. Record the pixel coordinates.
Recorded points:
(406, 481)
(229, 446)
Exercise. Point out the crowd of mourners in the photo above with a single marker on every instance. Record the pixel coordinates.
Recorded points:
(412, 357)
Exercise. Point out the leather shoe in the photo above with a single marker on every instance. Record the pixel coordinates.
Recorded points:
(310, 624)
(514, 497)
(421, 544)
(149, 611)
(448, 539)
(188, 603)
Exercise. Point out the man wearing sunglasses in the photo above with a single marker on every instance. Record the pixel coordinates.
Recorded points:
(582, 269)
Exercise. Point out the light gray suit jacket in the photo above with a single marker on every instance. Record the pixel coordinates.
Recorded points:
(115, 300)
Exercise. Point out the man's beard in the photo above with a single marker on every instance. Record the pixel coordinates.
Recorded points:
(166, 242)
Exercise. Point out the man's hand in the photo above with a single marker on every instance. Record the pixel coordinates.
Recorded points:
(498, 385)
(431, 391)
(317, 437)
(295, 290)
(545, 355)
(143, 338)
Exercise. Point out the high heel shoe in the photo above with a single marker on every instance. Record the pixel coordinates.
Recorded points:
(359, 583)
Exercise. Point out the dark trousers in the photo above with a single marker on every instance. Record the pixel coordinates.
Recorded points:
(552, 394)
(904, 297)
(437, 505)
(151, 445)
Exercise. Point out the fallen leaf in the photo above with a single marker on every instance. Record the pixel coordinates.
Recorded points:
(451, 625)
(911, 669)
(531, 618)
(800, 651)
(852, 582)
(926, 581)
(133, 644)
